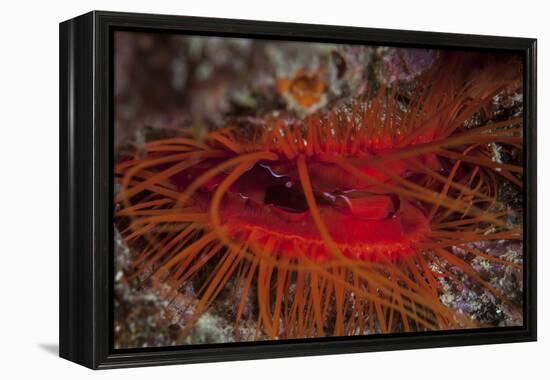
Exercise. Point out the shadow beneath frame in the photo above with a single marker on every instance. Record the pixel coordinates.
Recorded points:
(52, 348)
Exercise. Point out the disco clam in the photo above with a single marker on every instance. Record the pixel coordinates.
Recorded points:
(341, 223)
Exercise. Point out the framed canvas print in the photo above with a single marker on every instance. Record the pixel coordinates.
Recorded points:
(239, 189)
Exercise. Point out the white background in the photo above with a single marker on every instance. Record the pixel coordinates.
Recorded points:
(29, 188)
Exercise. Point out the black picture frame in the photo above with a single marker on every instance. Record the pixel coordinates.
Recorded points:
(86, 236)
